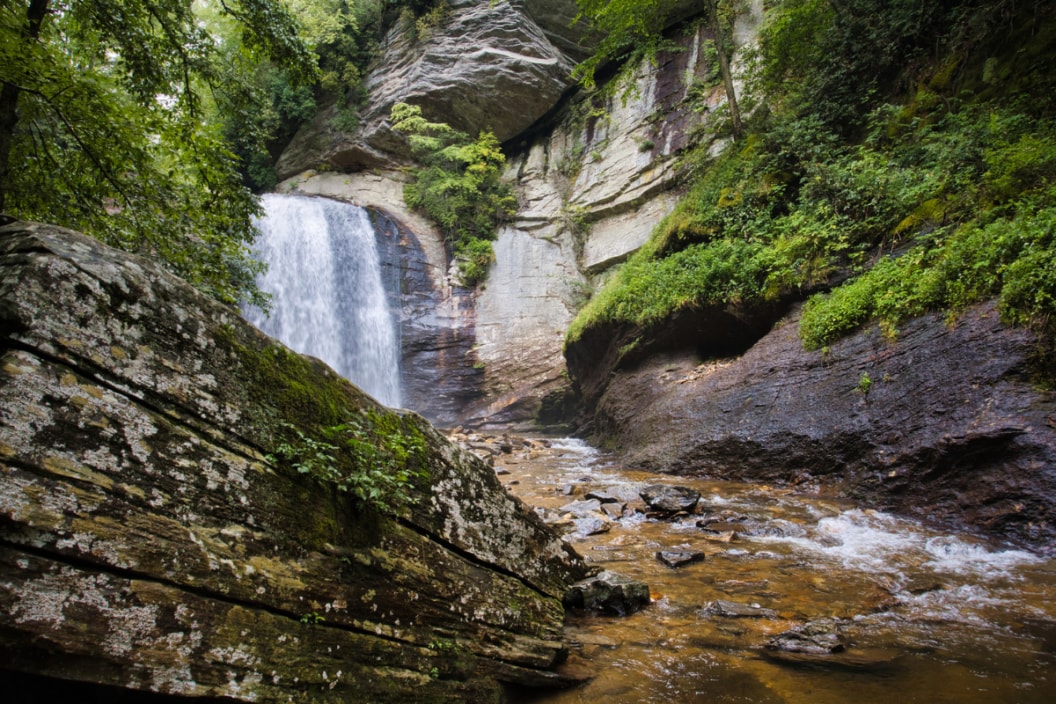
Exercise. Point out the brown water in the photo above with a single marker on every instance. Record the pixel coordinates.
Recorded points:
(926, 616)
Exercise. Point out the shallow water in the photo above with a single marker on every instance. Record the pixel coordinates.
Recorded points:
(926, 616)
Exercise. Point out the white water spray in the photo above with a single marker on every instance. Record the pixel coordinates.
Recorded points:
(328, 301)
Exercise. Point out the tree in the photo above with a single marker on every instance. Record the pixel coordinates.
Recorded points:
(103, 129)
(634, 28)
(720, 17)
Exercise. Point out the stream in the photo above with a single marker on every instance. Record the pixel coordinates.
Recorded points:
(922, 615)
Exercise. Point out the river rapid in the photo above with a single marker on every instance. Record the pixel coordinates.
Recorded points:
(921, 615)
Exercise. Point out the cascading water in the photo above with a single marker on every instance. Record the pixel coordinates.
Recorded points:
(327, 295)
(916, 614)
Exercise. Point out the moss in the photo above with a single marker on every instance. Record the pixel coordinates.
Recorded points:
(283, 386)
(961, 184)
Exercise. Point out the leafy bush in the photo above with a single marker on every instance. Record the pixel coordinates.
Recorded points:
(375, 458)
(459, 186)
(474, 256)
(932, 202)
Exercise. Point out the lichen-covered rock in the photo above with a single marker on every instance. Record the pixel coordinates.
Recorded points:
(150, 541)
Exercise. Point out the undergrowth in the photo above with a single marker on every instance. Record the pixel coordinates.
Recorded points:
(374, 456)
(943, 196)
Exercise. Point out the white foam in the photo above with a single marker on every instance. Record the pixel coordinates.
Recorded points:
(873, 541)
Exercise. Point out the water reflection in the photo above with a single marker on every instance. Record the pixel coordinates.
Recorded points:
(924, 615)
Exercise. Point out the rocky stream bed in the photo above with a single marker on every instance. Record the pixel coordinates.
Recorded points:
(761, 594)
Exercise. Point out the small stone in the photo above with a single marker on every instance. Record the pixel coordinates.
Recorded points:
(731, 609)
(608, 592)
(815, 638)
(612, 510)
(592, 525)
(678, 558)
(582, 508)
(603, 496)
(726, 537)
(670, 499)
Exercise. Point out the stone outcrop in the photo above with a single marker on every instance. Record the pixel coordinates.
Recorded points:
(592, 182)
(945, 423)
(485, 65)
(152, 542)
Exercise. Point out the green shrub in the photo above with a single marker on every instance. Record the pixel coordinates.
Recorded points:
(474, 256)
(376, 458)
(934, 200)
(459, 186)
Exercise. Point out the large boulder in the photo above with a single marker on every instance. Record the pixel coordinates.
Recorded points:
(152, 541)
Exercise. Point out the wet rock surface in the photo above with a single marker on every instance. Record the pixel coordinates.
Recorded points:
(816, 637)
(733, 609)
(150, 542)
(670, 499)
(608, 592)
(910, 605)
(950, 428)
(678, 558)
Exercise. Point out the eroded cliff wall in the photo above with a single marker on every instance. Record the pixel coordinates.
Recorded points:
(594, 174)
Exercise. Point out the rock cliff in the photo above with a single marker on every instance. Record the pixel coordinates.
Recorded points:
(485, 65)
(593, 178)
(945, 423)
(152, 542)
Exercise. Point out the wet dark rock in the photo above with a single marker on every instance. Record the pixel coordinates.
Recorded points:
(815, 638)
(678, 558)
(604, 496)
(732, 609)
(719, 527)
(670, 499)
(437, 334)
(875, 660)
(608, 592)
(954, 429)
(624, 493)
(921, 584)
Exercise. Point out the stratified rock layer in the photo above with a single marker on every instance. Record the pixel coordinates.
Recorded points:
(591, 187)
(945, 423)
(150, 543)
(484, 66)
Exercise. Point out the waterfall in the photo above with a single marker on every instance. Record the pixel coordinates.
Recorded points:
(328, 301)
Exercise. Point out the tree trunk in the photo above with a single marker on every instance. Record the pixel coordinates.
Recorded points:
(724, 67)
(35, 14)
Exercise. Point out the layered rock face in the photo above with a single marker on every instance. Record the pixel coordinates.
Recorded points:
(151, 543)
(944, 424)
(592, 180)
(483, 66)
